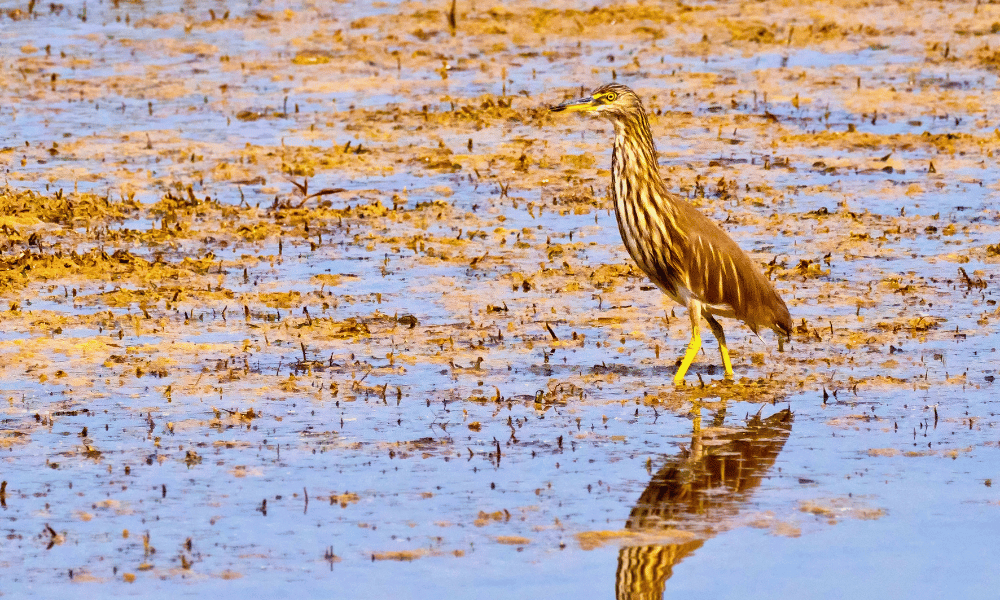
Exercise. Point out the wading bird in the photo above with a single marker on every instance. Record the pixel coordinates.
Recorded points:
(685, 254)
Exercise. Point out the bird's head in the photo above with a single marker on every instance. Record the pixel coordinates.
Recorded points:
(612, 101)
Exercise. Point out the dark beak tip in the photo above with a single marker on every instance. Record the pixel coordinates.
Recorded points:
(557, 108)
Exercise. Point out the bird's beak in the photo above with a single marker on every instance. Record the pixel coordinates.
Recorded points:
(582, 105)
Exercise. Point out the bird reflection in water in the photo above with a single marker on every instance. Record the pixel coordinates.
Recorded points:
(695, 492)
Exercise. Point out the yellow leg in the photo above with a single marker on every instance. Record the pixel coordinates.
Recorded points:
(693, 346)
(723, 349)
(725, 361)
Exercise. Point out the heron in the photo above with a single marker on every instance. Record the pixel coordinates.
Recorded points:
(690, 258)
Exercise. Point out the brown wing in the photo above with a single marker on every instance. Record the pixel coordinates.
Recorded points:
(720, 273)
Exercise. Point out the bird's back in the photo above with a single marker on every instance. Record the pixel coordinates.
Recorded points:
(722, 276)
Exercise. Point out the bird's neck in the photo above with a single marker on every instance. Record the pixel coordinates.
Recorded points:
(633, 161)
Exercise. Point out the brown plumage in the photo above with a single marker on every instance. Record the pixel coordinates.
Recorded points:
(682, 251)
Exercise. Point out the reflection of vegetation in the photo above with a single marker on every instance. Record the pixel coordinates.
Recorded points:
(695, 492)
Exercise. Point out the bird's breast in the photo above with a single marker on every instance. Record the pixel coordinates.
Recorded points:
(647, 230)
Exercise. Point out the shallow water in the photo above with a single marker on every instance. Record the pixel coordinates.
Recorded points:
(444, 379)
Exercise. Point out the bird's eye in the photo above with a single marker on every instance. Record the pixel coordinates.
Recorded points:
(611, 97)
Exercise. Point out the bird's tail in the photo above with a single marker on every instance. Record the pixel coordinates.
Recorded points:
(782, 320)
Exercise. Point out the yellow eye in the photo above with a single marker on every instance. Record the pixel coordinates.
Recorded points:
(611, 96)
